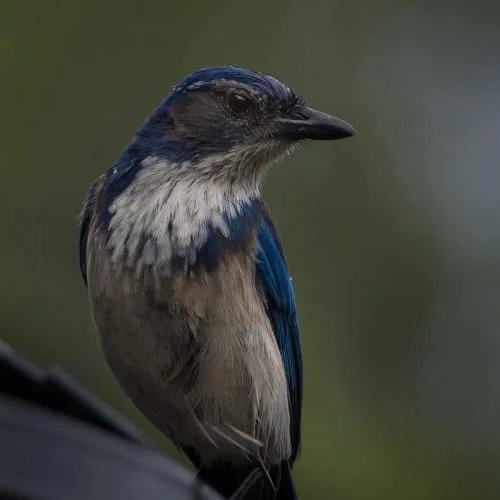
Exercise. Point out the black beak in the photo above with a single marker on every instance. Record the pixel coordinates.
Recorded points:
(313, 124)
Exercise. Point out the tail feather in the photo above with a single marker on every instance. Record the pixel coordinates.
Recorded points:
(251, 483)
(286, 486)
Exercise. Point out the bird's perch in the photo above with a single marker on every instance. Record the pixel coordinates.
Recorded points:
(59, 442)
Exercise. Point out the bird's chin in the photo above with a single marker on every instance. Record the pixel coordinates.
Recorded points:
(273, 150)
(257, 160)
(266, 154)
(245, 164)
(281, 148)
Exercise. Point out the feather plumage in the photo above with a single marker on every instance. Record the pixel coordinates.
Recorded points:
(188, 282)
(273, 275)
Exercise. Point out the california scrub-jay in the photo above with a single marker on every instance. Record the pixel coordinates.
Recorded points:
(187, 279)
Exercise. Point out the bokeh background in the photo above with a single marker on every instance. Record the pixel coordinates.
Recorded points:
(393, 237)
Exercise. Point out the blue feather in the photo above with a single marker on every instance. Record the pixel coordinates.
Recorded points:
(239, 225)
(262, 85)
(273, 275)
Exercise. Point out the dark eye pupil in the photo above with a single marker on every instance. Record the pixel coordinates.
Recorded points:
(238, 103)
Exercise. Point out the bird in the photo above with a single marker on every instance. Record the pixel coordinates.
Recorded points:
(187, 279)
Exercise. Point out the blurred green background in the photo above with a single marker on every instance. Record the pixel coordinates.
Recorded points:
(393, 237)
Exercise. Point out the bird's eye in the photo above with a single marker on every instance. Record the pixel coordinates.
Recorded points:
(238, 103)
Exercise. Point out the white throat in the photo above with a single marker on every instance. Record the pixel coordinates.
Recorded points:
(168, 211)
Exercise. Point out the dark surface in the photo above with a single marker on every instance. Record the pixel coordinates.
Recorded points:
(59, 442)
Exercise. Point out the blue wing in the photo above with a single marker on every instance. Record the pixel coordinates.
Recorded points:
(272, 274)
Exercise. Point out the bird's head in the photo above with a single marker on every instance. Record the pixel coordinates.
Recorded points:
(222, 116)
(188, 183)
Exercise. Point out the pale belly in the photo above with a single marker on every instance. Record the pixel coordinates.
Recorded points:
(199, 359)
